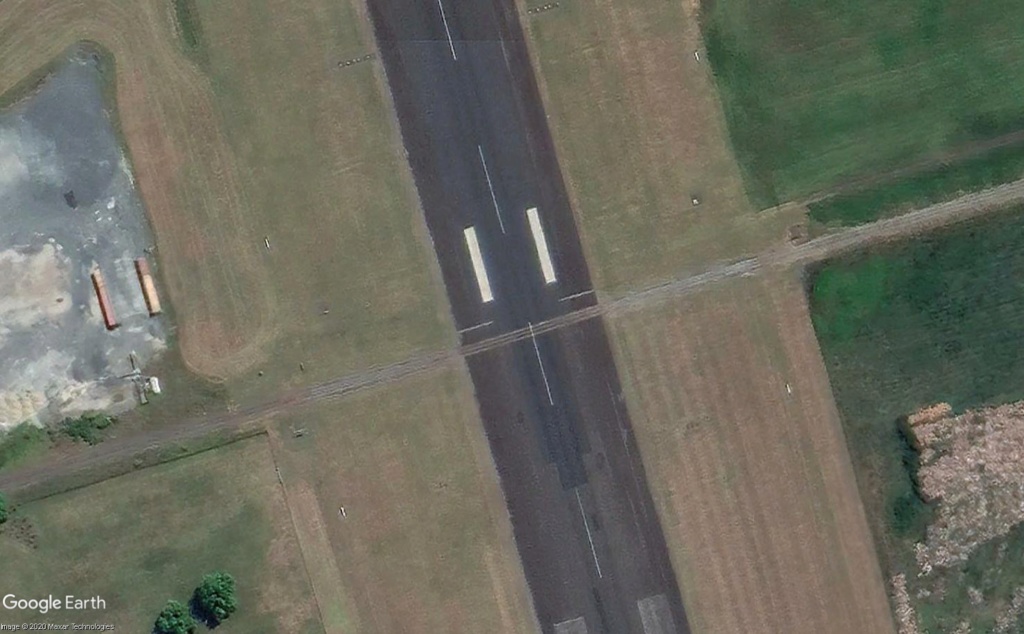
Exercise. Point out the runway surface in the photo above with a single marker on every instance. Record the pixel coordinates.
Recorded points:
(495, 203)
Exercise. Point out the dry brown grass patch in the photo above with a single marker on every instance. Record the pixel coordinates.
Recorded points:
(754, 484)
(639, 129)
(426, 545)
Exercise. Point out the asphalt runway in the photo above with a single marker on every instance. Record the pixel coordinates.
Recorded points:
(481, 153)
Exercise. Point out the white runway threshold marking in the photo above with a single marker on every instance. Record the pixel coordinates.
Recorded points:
(494, 199)
(543, 374)
(586, 525)
(444, 19)
(482, 281)
(541, 242)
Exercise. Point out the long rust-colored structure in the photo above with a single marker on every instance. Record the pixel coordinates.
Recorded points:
(148, 288)
(109, 319)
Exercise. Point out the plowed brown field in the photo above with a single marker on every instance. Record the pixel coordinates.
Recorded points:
(752, 479)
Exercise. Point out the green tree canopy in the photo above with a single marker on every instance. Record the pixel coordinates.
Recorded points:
(3, 508)
(174, 619)
(215, 596)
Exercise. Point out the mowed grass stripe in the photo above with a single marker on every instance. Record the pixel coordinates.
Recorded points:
(786, 452)
(336, 613)
(708, 528)
(725, 481)
(638, 129)
(759, 510)
(328, 185)
(729, 411)
(639, 344)
(821, 425)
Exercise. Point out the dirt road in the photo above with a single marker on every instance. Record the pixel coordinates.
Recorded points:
(23, 482)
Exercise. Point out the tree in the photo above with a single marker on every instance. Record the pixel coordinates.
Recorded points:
(3, 508)
(215, 597)
(174, 619)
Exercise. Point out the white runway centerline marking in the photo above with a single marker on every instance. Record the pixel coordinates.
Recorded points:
(482, 281)
(586, 525)
(541, 242)
(543, 374)
(444, 19)
(490, 187)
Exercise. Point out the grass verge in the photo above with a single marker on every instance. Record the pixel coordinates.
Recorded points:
(327, 186)
(746, 463)
(639, 133)
(424, 543)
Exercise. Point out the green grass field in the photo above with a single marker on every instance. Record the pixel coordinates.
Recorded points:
(939, 319)
(819, 91)
(141, 539)
(920, 190)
